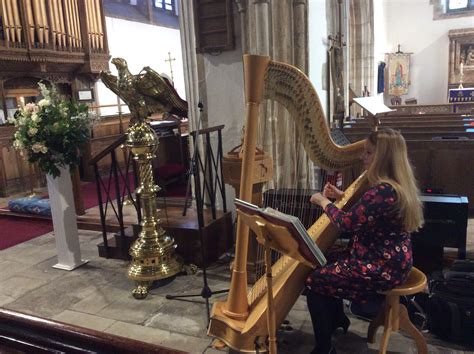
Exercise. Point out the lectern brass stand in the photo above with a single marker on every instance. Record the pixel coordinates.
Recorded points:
(153, 253)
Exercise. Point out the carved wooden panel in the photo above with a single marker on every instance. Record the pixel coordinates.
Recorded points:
(461, 50)
(214, 26)
(461, 107)
(15, 173)
(438, 163)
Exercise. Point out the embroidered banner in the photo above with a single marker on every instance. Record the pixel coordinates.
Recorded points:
(398, 73)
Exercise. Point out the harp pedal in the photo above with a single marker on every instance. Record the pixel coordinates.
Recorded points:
(286, 326)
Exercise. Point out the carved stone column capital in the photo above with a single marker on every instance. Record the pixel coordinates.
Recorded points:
(300, 2)
(242, 8)
(241, 5)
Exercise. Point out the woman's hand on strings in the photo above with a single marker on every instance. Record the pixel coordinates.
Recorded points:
(319, 199)
(330, 191)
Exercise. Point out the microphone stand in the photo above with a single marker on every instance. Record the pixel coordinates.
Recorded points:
(206, 291)
(192, 164)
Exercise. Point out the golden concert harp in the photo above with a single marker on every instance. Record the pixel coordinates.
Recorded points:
(241, 321)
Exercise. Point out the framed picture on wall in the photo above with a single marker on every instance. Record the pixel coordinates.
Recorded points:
(85, 95)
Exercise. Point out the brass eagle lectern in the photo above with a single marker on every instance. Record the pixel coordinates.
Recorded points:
(153, 253)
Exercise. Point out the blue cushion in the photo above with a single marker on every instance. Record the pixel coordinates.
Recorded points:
(28, 205)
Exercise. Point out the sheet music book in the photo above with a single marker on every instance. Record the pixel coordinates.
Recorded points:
(308, 248)
(373, 105)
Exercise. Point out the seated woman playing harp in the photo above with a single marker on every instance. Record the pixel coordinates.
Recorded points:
(378, 256)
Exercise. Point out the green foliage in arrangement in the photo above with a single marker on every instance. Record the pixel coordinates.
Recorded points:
(52, 132)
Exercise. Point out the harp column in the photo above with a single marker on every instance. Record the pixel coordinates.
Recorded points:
(254, 74)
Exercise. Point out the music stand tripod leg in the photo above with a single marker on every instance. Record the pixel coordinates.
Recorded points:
(206, 291)
(271, 318)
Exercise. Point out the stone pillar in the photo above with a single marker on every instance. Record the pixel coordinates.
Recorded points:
(262, 27)
(190, 61)
(300, 34)
(242, 9)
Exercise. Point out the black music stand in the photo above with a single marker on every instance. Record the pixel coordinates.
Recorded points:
(195, 163)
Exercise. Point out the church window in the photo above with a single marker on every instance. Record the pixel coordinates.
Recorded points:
(167, 5)
(459, 5)
(449, 9)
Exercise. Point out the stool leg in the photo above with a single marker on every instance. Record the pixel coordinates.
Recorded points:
(387, 330)
(394, 302)
(378, 321)
(409, 328)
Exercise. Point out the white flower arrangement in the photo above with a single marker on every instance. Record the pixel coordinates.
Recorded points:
(53, 132)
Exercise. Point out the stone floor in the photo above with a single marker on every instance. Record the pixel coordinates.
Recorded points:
(98, 296)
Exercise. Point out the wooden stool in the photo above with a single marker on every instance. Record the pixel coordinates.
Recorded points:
(394, 316)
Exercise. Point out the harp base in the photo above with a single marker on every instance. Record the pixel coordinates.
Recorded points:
(229, 331)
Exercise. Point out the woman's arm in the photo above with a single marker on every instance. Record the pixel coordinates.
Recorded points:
(320, 199)
(375, 202)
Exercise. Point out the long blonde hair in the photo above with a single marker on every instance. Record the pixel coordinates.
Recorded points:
(391, 165)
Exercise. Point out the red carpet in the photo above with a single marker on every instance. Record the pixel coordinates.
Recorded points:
(89, 191)
(17, 230)
(177, 190)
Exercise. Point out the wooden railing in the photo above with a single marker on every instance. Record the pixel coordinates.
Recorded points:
(208, 163)
(114, 189)
(108, 150)
(116, 176)
(462, 107)
(23, 333)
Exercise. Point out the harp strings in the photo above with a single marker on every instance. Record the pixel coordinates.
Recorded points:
(286, 196)
(260, 287)
(281, 86)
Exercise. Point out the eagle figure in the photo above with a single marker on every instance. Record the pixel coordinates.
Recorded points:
(146, 93)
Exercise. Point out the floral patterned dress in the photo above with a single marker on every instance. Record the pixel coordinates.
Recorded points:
(378, 256)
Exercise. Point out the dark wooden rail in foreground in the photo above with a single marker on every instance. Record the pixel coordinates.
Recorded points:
(22, 333)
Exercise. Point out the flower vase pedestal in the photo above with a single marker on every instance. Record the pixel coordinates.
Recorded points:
(63, 213)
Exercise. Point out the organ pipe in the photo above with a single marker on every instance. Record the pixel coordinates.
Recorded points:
(52, 23)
